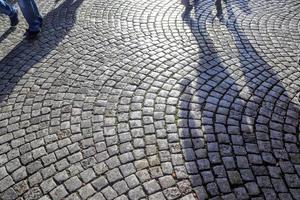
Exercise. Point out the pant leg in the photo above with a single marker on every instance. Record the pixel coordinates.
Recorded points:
(31, 14)
(7, 9)
(218, 4)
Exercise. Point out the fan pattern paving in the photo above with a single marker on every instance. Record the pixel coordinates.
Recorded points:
(150, 99)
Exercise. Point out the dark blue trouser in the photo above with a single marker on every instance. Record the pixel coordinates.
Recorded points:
(29, 10)
(7, 9)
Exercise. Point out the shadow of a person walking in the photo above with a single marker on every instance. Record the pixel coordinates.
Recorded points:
(242, 5)
(25, 55)
(6, 33)
(219, 9)
(212, 83)
(238, 107)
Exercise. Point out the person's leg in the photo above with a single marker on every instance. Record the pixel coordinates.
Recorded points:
(218, 4)
(31, 14)
(10, 11)
(7, 9)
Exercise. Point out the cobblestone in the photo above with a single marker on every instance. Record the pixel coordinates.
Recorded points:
(100, 183)
(87, 175)
(158, 195)
(59, 192)
(86, 191)
(167, 181)
(6, 183)
(152, 100)
(48, 185)
(121, 187)
(172, 193)
(136, 193)
(151, 187)
(132, 181)
(73, 184)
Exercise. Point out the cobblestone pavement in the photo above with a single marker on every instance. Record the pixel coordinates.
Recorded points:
(147, 99)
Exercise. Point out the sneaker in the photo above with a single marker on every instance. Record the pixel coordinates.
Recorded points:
(14, 20)
(31, 35)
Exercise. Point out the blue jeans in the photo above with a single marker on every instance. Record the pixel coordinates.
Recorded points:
(29, 10)
(31, 14)
(7, 9)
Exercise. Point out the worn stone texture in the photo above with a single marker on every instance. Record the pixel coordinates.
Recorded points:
(152, 99)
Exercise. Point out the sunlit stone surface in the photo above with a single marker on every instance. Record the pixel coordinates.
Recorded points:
(152, 99)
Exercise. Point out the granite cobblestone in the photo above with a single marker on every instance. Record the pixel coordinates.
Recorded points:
(152, 99)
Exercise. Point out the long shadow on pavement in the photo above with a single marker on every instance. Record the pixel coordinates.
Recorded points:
(57, 24)
(6, 33)
(240, 111)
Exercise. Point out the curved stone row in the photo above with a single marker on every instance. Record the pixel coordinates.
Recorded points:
(246, 122)
(143, 99)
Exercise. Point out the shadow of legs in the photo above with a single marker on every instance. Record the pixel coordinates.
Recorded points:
(6, 33)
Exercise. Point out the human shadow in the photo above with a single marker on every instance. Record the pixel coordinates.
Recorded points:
(6, 33)
(218, 5)
(249, 106)
(260, 77)
(274, 99)
(57, 24)
(213, 85)
(242, 5)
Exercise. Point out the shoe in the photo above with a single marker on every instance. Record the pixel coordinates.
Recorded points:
(41, 22)
(31, 35)
(14, 20)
